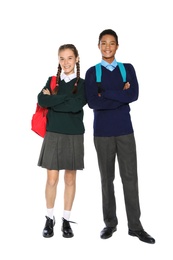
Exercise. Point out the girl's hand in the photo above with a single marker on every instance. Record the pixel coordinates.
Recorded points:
(46, 91)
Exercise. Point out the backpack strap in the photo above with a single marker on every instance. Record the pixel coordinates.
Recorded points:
(53, 82)
(99, 71)
(122, 70)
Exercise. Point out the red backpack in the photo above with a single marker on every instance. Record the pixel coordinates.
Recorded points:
(39, 118)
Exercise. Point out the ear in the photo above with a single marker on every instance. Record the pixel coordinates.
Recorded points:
(77, 59)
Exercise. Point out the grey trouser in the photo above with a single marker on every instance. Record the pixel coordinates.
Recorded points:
(124, 147)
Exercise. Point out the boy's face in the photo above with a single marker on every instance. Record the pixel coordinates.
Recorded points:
(108, 47)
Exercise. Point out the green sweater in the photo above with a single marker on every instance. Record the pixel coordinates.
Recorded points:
(65, 109)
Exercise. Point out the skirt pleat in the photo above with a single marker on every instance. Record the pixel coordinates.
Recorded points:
(60, 151)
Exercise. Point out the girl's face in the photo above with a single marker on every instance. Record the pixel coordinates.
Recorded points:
(67, 61)
(108, 47)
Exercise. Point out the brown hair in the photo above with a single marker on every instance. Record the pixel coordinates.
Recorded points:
(75, 51)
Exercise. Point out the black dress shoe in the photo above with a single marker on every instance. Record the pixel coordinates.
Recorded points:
(48, 229)
(107, 232)
(142, 235)
(66, 228)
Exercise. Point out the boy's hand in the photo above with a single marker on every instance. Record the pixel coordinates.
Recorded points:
(126, 86)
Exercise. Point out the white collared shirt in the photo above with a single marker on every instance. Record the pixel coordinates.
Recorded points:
(67, 78)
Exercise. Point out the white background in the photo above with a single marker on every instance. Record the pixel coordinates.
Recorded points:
(31, 32)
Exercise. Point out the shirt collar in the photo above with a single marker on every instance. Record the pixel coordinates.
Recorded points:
(67, 78)
(105, 64)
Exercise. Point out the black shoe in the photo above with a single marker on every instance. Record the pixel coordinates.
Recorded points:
(66, 228)
(107, 232)
(48, 229)
(142, 235)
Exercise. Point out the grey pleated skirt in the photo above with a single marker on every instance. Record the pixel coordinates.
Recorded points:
(62, 152)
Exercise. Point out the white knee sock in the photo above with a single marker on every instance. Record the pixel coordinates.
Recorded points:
(50, 213)
(66, 214)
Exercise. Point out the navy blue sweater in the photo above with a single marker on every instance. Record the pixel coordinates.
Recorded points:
(111, 110)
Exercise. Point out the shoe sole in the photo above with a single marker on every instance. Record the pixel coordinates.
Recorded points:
(48, 236)
(134, 235)
(68, 236)
(106, 237)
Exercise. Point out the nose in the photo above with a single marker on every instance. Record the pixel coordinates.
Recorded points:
(107, 46)
(65, 62)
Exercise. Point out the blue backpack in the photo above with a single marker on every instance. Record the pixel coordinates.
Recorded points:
(99, 72)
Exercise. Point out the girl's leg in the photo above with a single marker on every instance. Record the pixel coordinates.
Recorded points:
(51, 187)
(50, 194)
(70, 189)
(69, 194)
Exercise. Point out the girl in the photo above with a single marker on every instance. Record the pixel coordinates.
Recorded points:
(63, 144)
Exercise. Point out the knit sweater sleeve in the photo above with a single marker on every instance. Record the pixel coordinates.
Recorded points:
(91, 90)
(128, 95)
(50, 100)
(74, 103)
